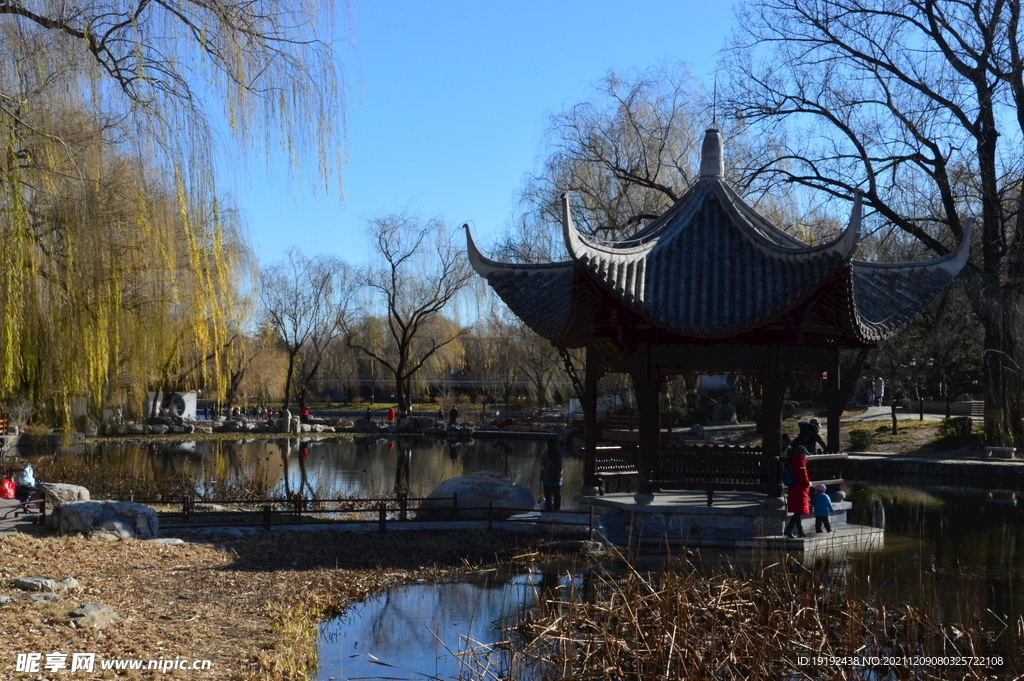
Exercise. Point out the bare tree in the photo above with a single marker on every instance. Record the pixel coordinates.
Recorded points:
(537, 361)
(919, 105)
(305, 301)
(417, 272)
(626, 154)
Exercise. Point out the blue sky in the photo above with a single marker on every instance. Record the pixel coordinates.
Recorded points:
(448, 103)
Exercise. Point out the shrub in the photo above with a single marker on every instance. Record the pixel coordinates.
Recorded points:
(861, 440)
(958, 426)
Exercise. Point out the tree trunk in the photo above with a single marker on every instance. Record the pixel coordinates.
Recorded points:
(1002, 380)
(288, 381)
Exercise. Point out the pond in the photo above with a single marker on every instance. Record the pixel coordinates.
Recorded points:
(325, 469)
(956, 553)
(426, 631)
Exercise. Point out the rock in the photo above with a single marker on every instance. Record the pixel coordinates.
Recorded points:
(421, 423)
(58, 493)
(343, 423)
(118, 528)
(4, 600)
(48, 584)
(160, 421)
(168, 541)
(202, 506)
(132, 429)
(303, 427)
(157, 429)
(476, 491)
(100, 535)
(93, 616)
(85, 516)
(43, 598)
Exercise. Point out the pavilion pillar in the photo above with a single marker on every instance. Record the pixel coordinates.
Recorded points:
(647, 388)
(835, 400)
(774, 394)
(588, 402)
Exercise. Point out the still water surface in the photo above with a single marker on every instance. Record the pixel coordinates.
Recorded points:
(333, 468)
(959, 550)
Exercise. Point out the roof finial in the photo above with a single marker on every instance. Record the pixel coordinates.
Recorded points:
(714, 105)
(711, 162)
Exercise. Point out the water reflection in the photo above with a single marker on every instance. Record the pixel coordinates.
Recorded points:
(957, 551)
(326, 468)
(433, 630)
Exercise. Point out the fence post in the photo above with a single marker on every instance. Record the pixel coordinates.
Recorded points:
(403, 503)
(382, 519)
(266, 517)
(490, 515)
(590, 529)
(184, 505)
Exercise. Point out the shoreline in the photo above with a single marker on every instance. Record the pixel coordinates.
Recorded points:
(251, 606)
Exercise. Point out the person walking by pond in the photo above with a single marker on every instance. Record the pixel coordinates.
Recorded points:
(304, 414)
(879, 391)
(822, 509)
(797, 498)
(551, 477)
(453, 417)
(391, 414)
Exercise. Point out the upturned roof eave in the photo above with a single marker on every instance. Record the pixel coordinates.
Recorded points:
(483, 265)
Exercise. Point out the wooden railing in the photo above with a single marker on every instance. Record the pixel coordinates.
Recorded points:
(714, 468)
(622, 422)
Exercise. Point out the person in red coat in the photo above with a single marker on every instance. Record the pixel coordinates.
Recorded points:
(391, 415)
(798, 497)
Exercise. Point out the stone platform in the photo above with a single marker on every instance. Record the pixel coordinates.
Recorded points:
(738, 520)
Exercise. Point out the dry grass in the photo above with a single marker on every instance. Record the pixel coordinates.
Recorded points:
(692, 625)
(250, 606)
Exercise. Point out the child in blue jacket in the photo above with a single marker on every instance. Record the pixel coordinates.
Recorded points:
(822, 509)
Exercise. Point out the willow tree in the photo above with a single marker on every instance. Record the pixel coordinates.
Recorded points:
(119, 261)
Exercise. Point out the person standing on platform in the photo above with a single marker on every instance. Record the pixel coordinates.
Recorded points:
(391, 414)
(810, 436)
(797, 500)
(822, 509)
(551, 477)
(453, 417)
(304, 414)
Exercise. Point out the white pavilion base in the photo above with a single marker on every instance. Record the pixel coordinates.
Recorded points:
(738, 520)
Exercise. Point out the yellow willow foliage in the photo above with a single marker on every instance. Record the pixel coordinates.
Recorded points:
(120, 265)
(112, 283)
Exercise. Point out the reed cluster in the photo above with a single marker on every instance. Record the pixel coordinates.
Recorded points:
(780, 622)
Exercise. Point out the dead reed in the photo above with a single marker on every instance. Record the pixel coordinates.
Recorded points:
(780, 622)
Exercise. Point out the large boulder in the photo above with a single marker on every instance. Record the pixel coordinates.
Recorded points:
(58, 493)
(85, 516)
(476, 491)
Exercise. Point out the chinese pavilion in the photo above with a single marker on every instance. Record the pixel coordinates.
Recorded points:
(713, 287)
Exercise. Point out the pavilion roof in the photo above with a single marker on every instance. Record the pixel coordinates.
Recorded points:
(712, 267)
